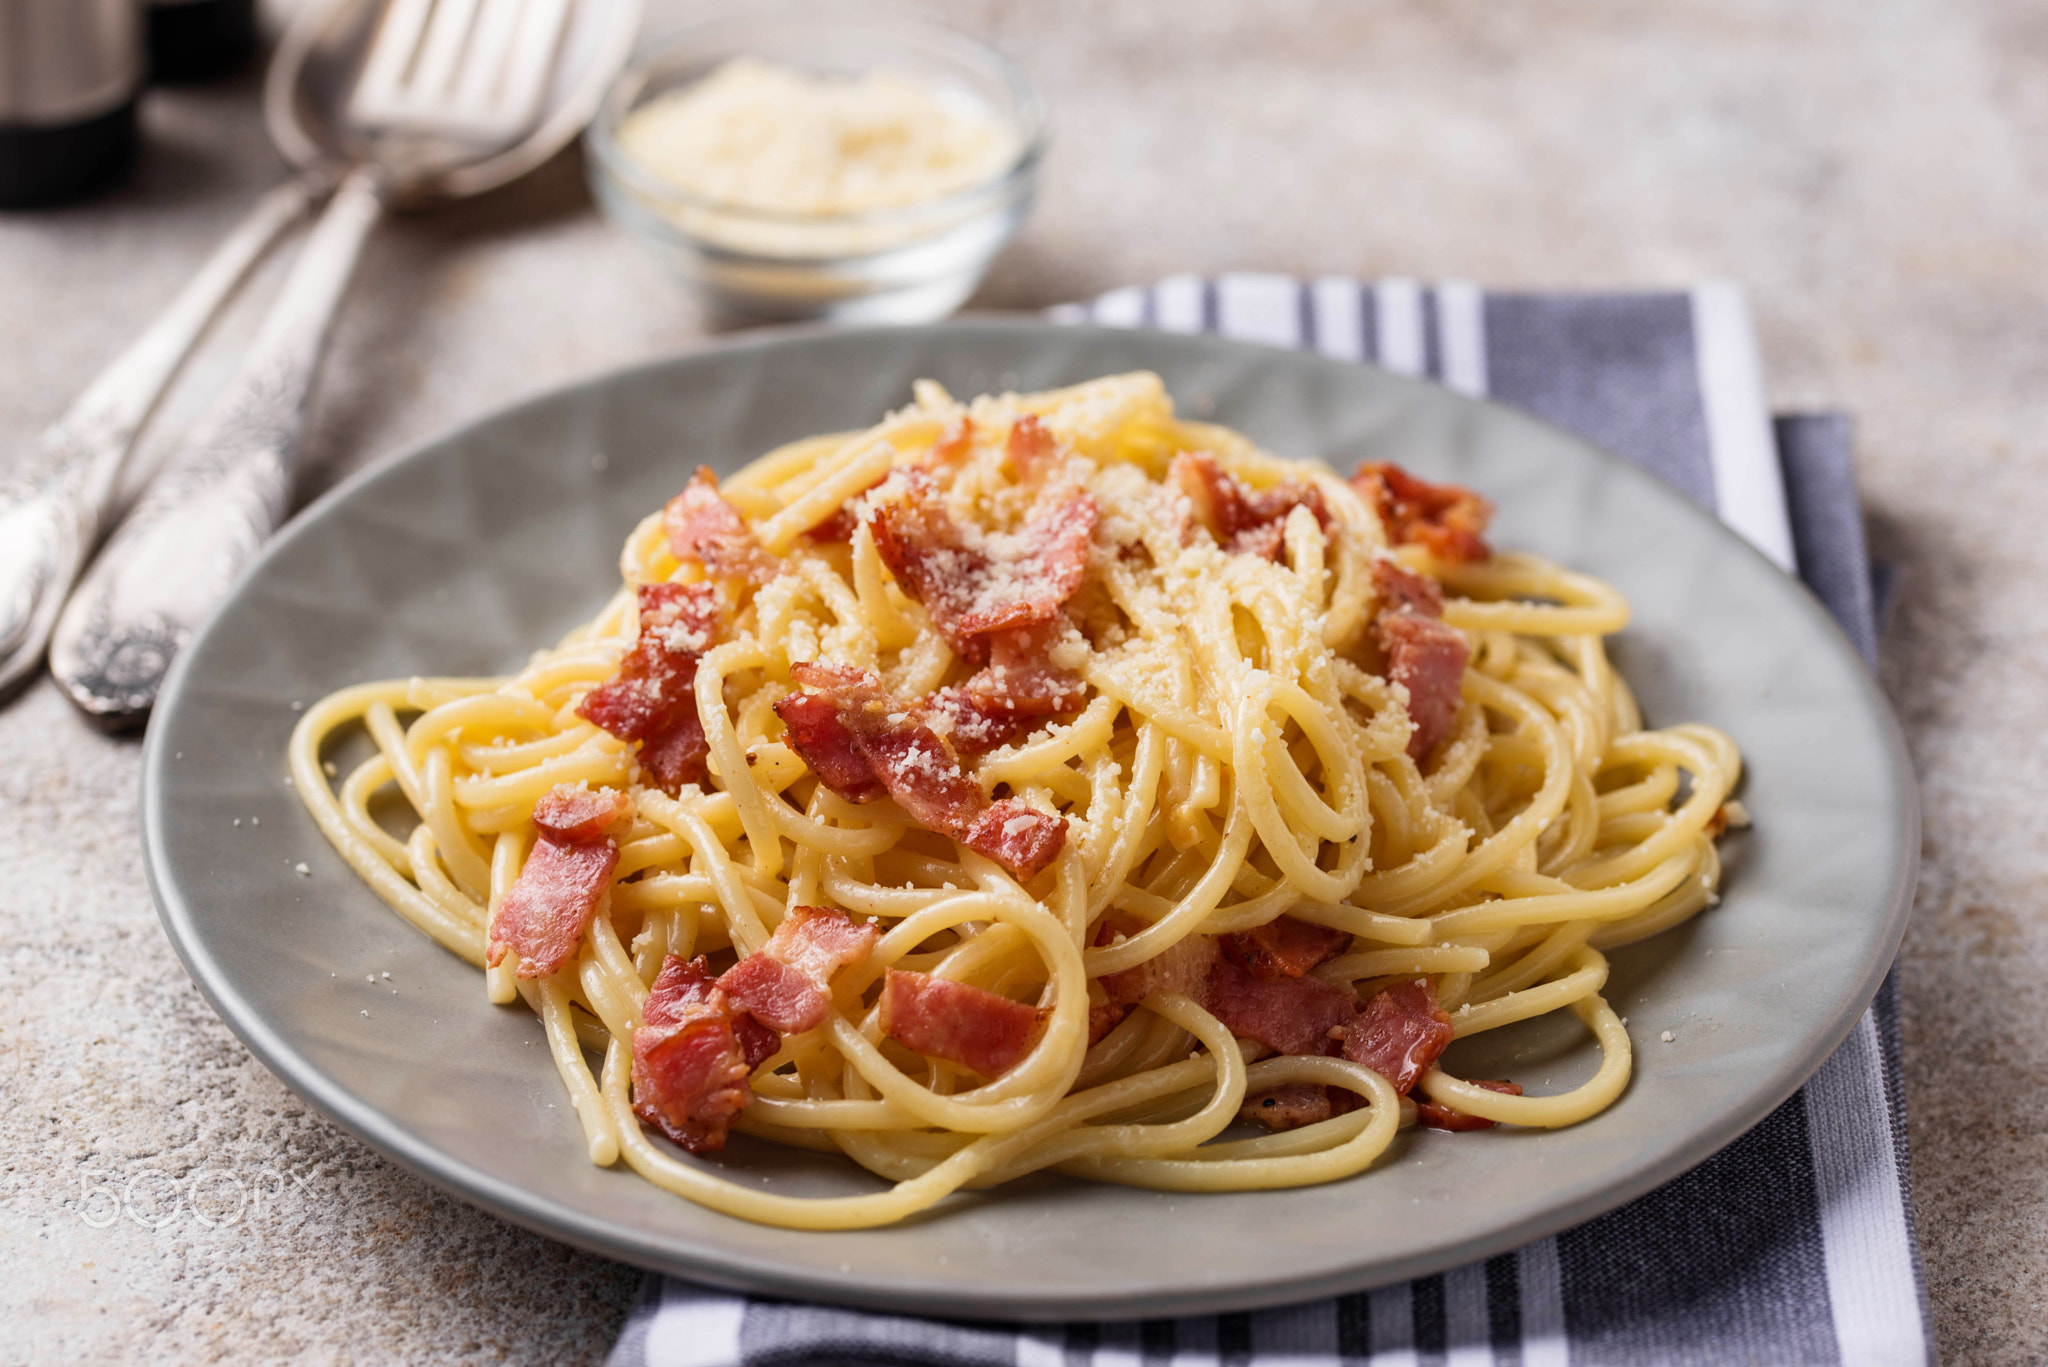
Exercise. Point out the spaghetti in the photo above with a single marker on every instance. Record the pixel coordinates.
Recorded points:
(1042, 782)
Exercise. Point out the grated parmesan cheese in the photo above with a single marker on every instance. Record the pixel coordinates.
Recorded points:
(753, 135)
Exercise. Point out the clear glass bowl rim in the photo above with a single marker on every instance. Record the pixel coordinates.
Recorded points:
(616, 162)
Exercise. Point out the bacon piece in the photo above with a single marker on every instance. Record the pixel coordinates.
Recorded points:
(786, 983)
(757, 1039)
(972, 725)
(778, 995)
(837, 528)
(1103, 1019)
(839, 525)
(1427, 658)
(1018, 836)
(927, 552)
(579, 815)
(1401, 589)
(703, 527)
(1288, 1106)
(1450, 521)
(689, 1065)
(955, 440)
(1285, 947)
(956, 1021)
(826, 743)
(1400, 1033)
(1444, 1118)
(920, 771)
(1244, 520)
(819, 941)
(1181, 967)
(1289, 1015)
(1011, 698)
(1422, 654)
(1033, 450)
(861, 742)
(1009, 581)
(548, 907)
(1027, 582)
(653, 697)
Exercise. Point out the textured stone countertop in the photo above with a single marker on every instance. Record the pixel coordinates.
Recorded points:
(1875, 171)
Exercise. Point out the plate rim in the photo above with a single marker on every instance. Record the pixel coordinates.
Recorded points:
(741, 1272)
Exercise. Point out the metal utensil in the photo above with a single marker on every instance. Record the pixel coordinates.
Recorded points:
(226, 485)
(53, 505)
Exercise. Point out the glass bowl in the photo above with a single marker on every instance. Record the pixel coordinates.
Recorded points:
(901, 265)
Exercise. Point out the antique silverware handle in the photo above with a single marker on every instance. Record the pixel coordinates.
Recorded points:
(221, 492)
(53, 504)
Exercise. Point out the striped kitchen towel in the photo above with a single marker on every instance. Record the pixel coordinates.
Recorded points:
(1794, 1244)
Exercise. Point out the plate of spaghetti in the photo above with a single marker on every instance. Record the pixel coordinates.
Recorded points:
(1033, 822)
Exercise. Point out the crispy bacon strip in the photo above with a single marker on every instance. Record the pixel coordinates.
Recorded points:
(1182, 967)
(1288, 1106)
(927, 551)
(1401, 589)
(1285, 947)
(1033, 451)
(1424, 655)
(653, 697)
(703, 527)
(786, 984)
(837, 528)
(817, 733)
(1444, 1118)
(1400, 1033)
(1005, 582)
(1288, 1015)
(576, 815)
(956, 439)
(1427, 658)
(1018, 836)
(1012, 697)
(861, 743)
(956, 1021)
(691, 1059)
(547, 909)
(1243, 520)
(1103, 1019)
(1450, 521)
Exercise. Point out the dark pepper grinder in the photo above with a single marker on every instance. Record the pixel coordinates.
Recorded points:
(199, 40)
(70, 71)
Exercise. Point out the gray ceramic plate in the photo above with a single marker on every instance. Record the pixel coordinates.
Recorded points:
(463, 556)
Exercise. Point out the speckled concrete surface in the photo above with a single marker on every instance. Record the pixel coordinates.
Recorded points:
(1876, 172)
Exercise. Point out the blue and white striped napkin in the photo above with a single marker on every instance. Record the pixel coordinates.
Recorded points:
(1793, 1245)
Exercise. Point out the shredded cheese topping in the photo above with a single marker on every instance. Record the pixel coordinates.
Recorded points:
(753, 135)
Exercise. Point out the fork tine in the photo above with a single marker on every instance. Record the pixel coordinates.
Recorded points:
(526, 76)
(467, 68)
(483, 69)
(391, 55)
(435, 74)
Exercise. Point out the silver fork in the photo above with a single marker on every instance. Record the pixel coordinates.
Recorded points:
(442, 78)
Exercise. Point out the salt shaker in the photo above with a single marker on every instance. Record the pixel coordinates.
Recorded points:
(70, 71)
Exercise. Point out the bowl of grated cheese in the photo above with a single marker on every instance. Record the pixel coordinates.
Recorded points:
(805, 164)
